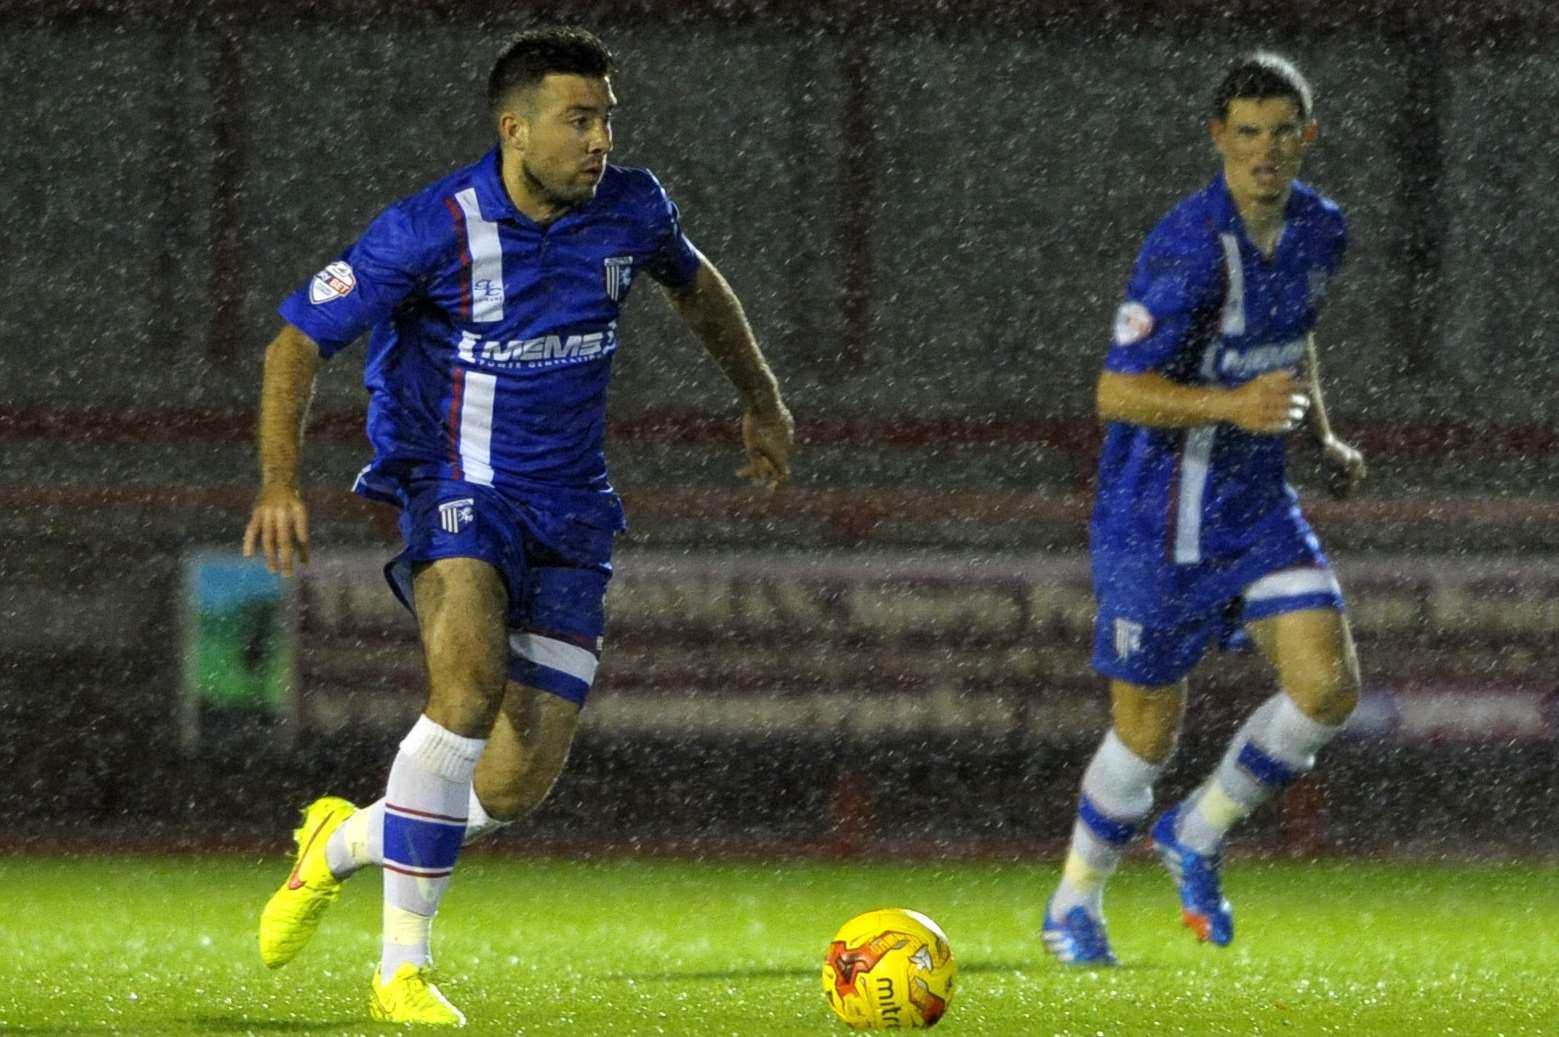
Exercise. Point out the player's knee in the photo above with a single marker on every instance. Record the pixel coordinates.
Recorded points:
(465, 701)
(1329, 696)
(1155, 745)
(466, 681)
(1340, 700)
(1151, 734)
(464, 710)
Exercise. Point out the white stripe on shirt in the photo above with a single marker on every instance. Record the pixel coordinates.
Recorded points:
(1195, 456)
(476, 427)
(1233, 322)
(486, 261)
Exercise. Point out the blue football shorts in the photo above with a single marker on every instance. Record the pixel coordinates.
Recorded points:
(556, 604)
(1156, 619)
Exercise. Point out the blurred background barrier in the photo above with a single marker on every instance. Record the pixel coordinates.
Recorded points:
(863, 646)
(929, 211)
(824, 703)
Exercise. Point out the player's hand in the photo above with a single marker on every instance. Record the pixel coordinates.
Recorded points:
(279, 527)
(1344, 467)
(769, 437)
(1270, 404)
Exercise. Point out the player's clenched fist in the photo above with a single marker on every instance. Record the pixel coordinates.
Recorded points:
(1269, 404)
(1344, 467)
(279, 527)
(769, 437)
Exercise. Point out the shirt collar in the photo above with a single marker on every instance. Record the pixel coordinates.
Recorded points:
(1228, 216)
(1223, 203)
(493, 198)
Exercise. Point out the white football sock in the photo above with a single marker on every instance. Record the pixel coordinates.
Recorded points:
(424, 822)
(1117, 795)
(1275, 746)
(359, 841)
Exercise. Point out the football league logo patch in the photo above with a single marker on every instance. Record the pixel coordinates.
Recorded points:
(618, 271)
(1133, 323)
(333, 282)
(455, 515)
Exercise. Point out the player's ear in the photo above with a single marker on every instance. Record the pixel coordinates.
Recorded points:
(1310, 132)
(513, 130)
(1215, 133)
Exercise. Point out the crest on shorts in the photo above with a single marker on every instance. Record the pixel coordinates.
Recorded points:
(333, 282)
(455, 515)
(618, 272)
(1128, 638)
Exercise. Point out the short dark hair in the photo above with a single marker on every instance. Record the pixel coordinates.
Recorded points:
(531, 56)
(1259, 76)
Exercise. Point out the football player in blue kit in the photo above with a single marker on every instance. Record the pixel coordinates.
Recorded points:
(1196, 536)
(491, 299)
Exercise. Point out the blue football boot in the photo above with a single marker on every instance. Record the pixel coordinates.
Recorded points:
(1077, 939)
(1198, 877)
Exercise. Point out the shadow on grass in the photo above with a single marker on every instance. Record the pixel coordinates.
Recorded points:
(247, 1024)
(973, 968)
(197, 1024)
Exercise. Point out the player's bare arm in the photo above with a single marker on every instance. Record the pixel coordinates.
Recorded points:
(279, 525)
(1269, 404)
(1344, 462)
(714, 313)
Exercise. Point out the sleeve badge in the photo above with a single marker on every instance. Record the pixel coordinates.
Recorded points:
(1133, 323)
(333, 282)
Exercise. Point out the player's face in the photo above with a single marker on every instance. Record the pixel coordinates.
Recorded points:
(1261, 141)
(568, 134)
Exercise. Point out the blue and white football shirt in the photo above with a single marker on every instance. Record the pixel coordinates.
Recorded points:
(492, 336)
(1204, 307)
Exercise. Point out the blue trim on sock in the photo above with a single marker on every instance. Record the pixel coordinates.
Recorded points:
(421, 844)
(1265, 768)
(1112, 831)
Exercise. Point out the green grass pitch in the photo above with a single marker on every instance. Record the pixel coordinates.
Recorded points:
(166, 946)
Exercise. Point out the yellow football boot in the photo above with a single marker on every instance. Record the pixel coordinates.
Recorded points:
(411, 997)
(293, 912)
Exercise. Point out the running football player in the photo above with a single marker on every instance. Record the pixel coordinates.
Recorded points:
(1197, 538)
(491, 299)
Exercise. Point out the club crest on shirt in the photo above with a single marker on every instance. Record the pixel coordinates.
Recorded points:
(454, 515)
(618, 272)
(1133, 323)
(333, 282)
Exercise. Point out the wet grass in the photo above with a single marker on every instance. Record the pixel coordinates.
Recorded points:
(166, 946)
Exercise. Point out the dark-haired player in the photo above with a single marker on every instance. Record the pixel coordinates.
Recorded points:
(491, 298)
(1196, 536)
